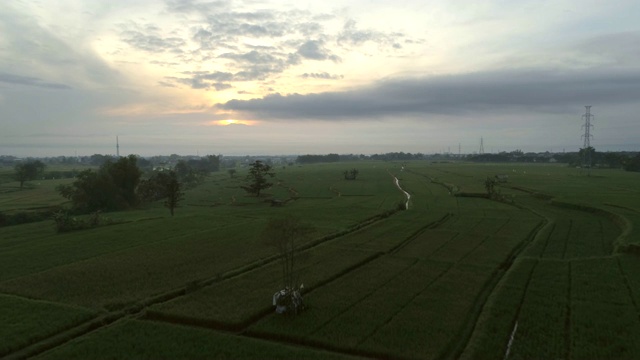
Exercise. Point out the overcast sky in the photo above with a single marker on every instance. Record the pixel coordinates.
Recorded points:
(313, 77)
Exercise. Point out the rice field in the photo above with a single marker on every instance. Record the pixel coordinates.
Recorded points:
(545, 273)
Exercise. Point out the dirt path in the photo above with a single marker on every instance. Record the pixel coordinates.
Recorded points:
(397, 182)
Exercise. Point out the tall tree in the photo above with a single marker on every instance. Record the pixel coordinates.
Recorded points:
(257, 178)
(28, 171)
(286, 235)
(173, 191)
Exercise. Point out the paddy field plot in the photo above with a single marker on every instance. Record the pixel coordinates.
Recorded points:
(448, 278)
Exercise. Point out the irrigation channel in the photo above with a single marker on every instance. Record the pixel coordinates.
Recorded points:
(406, 205)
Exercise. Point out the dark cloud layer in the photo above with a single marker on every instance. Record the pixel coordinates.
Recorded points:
(31, 81)
(481, 93)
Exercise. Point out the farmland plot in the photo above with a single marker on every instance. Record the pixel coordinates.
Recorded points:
(349, 312)
(121, 277)
(237, 301)
(149, 340)
(424, 283)
(26, 321)
(441, 288)
(605, 322)
(543, 314)
(497, 321)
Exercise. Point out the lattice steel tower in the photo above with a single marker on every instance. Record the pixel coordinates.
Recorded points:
(481, 146)
(586, 153)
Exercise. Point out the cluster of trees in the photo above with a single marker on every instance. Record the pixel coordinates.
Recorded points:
(513, 156)
(193, 171)
(112, 187)
(312, 159)
(392, 156)
(27, 171)
(633, 164)
(613, 160)
(118, 185)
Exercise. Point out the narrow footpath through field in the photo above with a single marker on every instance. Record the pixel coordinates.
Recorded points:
(406, 194)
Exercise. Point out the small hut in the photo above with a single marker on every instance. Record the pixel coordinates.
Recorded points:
(502, 178)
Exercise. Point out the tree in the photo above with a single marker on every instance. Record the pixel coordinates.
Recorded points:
(257, 178)
(633, 164)
(155, 187)
(286, 235)
(587, 155)
(187, 174)
(232, 172)
(29, 170)
(112, 187)
(174, 193)
(351, 175)
(490, 185)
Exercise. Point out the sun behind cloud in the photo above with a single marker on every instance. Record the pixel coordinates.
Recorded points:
(228, 122)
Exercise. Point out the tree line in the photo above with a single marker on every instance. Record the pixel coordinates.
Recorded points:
(119, 184)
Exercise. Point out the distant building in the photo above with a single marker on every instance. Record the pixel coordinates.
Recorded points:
(502, 178)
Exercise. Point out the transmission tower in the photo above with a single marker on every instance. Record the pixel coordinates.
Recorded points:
(481, 146)
(586, 152)
(117, 147)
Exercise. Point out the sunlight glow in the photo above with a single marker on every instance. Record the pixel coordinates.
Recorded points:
(228, 122)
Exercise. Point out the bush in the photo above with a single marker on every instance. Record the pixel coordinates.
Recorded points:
(65, 222)
(23, 217)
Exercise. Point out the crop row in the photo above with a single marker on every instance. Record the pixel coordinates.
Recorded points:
(26, 321)
(565, 309)
(544, 313)
(125, 276)
(579, 235)
(345, 313)
(134, 339)
(605, 321)
(443, 309)
(239, 300)
(497, 321)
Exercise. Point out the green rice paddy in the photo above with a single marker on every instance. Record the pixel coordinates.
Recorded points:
(550, 271)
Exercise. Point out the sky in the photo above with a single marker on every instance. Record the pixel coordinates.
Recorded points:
(315, 77)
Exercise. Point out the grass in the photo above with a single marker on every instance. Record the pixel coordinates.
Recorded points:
(237, 301)
(26, 321)
(149, 340)
(444, 279)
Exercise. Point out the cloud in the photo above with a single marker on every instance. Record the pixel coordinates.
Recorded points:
(196, 82)
(315, 50)
(322, 75)
(153, 43)
(252, 57)
(468, 94)
(31, 81)
(193, 6)
(350, 35)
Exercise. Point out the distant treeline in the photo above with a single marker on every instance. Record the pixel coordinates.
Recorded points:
(312, 159)
(614, 160)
